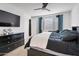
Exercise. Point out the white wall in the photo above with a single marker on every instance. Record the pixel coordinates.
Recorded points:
(23, 21)
(75, 15)
(67, 20)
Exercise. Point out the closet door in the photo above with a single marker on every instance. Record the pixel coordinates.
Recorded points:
(34, 25)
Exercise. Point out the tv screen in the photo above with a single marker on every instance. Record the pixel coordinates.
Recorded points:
(8, 19)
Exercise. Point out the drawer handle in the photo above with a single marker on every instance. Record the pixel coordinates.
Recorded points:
(8, 42)
(8, 48)
(8, 37)
(15, 40)
(15, 44)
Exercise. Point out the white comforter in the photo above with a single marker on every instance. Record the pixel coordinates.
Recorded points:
(40, 40)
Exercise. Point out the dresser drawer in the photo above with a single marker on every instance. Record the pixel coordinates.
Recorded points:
(7, 42)
(19, 43)
(11, 46)
(6, 49)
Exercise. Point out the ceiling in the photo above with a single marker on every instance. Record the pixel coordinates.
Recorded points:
(54, 7)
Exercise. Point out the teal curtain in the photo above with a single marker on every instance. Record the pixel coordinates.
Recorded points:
(60, 22)
(40, 24)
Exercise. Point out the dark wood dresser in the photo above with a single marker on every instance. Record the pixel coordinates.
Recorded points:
(11, 42)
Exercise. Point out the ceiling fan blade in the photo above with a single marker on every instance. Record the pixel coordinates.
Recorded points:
(47, 9)
(38, 9)
(44, 5)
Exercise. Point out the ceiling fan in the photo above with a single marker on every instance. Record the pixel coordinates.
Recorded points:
(43, 7)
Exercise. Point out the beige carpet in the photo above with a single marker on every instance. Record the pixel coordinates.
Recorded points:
(17, 52)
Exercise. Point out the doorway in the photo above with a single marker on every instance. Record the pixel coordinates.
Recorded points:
(29, 27)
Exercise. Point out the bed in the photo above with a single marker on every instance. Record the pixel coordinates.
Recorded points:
(54, 43)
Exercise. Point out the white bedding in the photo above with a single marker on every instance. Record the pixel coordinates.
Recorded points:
(40, 40)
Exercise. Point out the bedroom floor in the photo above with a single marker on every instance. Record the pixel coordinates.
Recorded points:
(18, 52)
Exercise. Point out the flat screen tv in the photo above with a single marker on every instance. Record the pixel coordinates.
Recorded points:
(8, 19)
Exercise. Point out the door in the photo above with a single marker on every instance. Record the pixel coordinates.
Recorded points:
(30, 27)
